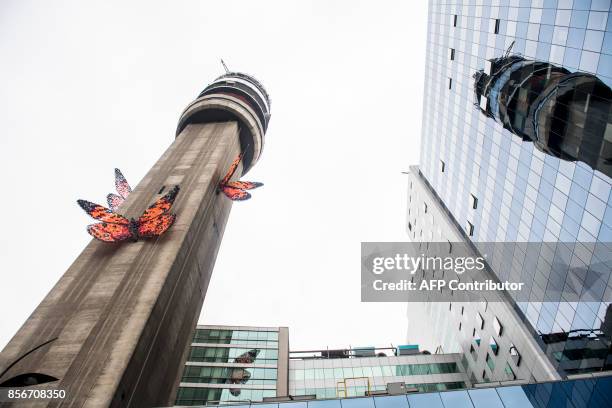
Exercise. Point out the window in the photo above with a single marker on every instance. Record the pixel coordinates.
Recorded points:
(473, 201)
(442, 165)
(480, 321)
(496, 28)
(488, 68)
(452, 54)
(338, 372)
(409, 226)
(462, 310)
(499, 329)
(464, 362)
(450, 83)
(454, 20)
(515, 355)
(459, 326)
(229, 354)
(473, 352)
(417, 369)
(469, 228)
(483, 102)
(490, 362)
(450, 306)
(425, 208)
(220, 375)
(509, 372)
(485, 378)
(494, 345)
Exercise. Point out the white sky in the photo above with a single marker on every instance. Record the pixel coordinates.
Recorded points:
(88, 86)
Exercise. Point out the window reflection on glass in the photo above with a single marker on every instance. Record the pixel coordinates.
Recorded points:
(564, 114)
(456, 399)
(425, 401)
(234, 336)
(485, 398)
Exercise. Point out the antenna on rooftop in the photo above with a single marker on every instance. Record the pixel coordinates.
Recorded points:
(507, 51)
(227, 71)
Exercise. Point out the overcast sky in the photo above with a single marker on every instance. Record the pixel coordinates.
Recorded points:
(88, 86)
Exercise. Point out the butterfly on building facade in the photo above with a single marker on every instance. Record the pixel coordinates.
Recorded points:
(235, 190)
(123, 188)
(241, 375)
(114, 227)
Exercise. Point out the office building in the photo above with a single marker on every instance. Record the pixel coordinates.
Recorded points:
(366, 371)
(235, 363)
(516, 149)
(241, 364)
(492, 336)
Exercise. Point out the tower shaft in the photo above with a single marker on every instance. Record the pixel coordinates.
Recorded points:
(120, 319)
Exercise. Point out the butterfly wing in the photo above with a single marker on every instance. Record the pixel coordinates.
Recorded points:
(231, 170)
(248, 357)
(123, 188)
(235, 194)
(102, 213)
(244, 185)
(114, 201)
(156, 226)
(160, 206)
(108, 232)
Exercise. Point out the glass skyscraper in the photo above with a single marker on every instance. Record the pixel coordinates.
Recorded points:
(517, 148)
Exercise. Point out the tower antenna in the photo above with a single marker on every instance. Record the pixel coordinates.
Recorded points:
(227, 71)
(505, 55)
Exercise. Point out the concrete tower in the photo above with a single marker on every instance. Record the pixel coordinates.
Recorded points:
(114, 329)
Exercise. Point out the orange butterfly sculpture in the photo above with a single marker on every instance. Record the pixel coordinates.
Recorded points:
(114, 227)
(235, 190)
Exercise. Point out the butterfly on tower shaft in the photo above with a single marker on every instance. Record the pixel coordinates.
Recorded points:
(115, 227)
(235, 190)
